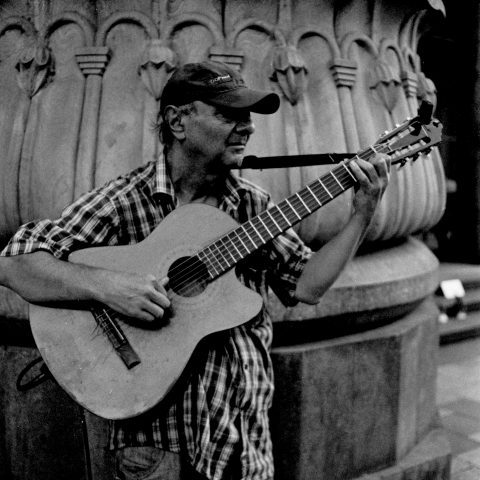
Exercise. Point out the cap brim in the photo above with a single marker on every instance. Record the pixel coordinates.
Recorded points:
(253, 100)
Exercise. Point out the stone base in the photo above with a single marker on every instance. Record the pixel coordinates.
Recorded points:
(429, 460)
(356, 404)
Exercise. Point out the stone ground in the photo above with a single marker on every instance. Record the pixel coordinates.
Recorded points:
(458, 399)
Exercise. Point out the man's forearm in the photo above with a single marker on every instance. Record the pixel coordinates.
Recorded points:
(41, 278)
(325, 265)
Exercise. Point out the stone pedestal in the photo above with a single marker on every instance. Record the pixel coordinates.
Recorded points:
(359, 403)
(355, 391)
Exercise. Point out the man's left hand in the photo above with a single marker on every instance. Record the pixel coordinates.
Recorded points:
(373, 177)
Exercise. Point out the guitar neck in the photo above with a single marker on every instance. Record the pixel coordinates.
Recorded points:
(227, 251)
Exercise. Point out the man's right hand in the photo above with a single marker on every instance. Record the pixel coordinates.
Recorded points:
(142, 297)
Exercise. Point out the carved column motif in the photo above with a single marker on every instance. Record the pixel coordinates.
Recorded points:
(92, 62)
(344, 72)
(410, 84)
(231, 56)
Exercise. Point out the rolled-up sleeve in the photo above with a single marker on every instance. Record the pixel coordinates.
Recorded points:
(91, 220)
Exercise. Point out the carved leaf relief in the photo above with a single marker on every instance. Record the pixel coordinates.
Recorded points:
(290, 72)
(385, 83)
(155, 66)
(35, 68)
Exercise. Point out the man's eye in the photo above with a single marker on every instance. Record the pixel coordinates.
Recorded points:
(233, 115)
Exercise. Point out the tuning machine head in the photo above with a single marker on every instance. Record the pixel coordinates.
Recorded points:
(402, 163)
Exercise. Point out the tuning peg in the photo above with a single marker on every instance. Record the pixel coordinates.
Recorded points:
(427, 151)
(402, 163)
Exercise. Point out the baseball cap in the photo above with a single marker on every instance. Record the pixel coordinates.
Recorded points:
(217, 84)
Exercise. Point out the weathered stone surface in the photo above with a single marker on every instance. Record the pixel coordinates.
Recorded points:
(81, 84)
(429, 460)
(358, 403)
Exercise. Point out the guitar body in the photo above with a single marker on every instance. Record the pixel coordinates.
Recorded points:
(79, 354)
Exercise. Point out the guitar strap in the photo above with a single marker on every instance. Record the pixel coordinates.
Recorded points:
(289, 161)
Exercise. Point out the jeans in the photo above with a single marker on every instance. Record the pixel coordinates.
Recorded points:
(150, 463)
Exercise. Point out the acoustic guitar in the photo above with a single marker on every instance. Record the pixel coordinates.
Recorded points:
(117, 370)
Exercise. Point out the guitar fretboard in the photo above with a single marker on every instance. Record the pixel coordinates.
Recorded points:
(228, 250)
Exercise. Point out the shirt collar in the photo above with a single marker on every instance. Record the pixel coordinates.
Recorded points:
(233, 189)
(163, 185)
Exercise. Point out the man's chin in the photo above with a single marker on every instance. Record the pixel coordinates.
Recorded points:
(234, 160)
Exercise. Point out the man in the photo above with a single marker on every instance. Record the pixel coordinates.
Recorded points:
(216, 427)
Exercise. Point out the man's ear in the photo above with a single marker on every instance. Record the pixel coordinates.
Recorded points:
(173, 117)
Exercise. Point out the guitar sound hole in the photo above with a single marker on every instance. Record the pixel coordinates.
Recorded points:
(188, 276)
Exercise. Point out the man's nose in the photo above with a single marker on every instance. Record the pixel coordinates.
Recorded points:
(245, 126)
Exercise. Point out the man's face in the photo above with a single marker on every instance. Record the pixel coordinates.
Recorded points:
(217, 136)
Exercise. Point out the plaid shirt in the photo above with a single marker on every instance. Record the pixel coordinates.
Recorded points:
(220, 417)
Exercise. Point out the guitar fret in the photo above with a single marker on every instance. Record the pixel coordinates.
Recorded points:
(314, 196)
(348, 171)
(243, 245)
(228, 251)
(283, 215)
(207, 263)
(273, 220)
(249, 237)
(235, 246)
(325, 188)
(222, 257)
(205, 253)
(266, 228)
(213, 259)
(256, 231)
(334, 176)
(304, 204)
(294, 211)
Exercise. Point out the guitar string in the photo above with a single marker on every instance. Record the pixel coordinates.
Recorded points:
(192, 276)
(179, 276)
(189, 275)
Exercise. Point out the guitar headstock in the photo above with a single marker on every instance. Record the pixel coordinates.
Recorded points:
(412, 137)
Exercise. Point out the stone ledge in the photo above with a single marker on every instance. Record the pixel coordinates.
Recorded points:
(429, 460)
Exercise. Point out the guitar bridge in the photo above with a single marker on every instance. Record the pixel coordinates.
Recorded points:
(116, 337)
